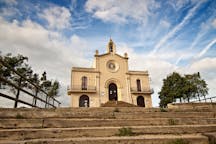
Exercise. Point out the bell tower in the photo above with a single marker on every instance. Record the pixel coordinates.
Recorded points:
(111, 48)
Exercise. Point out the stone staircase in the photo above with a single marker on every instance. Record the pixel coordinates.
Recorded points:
(107, 125)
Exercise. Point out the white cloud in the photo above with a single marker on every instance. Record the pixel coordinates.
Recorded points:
(176, 28)
(206, 64)
(57, 17)
(10, 2)
(178, 4)
(206, 48)
(214, 23)
(118, 11)
(165, 23)
(47, 50)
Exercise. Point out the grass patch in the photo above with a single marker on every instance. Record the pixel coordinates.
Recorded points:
(172, 122)
(163, 110)
(116, 110)
(179, 141)
(125, 132)
(19, 116)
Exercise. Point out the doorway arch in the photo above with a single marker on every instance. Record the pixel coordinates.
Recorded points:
(113, 93)
(140, 101)
(84, 101)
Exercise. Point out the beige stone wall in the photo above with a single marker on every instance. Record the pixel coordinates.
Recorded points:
(118, 77)
(93, 98)
(101, 75)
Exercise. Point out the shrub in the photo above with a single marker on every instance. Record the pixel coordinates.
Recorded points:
(172, 122)
(125, 132)
(116, 110)
(163, 110)
(179, 141)
(18, 116)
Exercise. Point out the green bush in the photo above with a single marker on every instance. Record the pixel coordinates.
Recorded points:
(163, 110)
(18, 116)
(125, 132)
(172, 122)
(179, 141)
(116, 110)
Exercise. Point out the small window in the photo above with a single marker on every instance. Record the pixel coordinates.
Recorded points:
(138, 85)
(111, 47)
(84, 101)
(84, 83)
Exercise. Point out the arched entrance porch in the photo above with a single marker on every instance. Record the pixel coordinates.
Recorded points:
(113, 93)
(140, 101)
(84, 101)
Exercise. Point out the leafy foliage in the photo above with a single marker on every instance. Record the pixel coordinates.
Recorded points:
(180, 87)
(179, 141)
(19, 64)
(125, 132)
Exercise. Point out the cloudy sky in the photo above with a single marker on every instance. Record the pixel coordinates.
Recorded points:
(159, 36)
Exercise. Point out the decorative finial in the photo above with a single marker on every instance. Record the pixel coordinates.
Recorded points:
(96, 52)
(126, 55)
(110, 39)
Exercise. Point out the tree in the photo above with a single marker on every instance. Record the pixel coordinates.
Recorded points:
(180, 87)
(50, 87)
(18, 64)
(171, 89)
(196, 87)
(9, 64)
(34, 79)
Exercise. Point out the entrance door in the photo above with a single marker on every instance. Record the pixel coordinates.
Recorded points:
(113, 95)
(84, 101)
(140, 101)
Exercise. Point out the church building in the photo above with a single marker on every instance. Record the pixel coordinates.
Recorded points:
(109, 80)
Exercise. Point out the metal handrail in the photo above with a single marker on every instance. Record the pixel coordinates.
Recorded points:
(134, 89)
(36, 86)
(79, 87)
(205, 99)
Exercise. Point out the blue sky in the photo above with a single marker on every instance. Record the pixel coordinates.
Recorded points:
(159, 36)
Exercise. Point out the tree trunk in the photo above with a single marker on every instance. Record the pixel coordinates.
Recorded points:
(46, 101)
(18, 92)
(199, 98)
(205, 98)
(35, 99)
(188, 99)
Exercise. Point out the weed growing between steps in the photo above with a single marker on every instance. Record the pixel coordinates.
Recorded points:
(163, 110)
(125, 132)
(172, 122)
(116, 110)
(179, 141)
(18, 116)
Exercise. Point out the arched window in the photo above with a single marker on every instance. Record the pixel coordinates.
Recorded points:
(138, 85)
(84, 83)
(111, 47)
(84, 101)
(141, 101)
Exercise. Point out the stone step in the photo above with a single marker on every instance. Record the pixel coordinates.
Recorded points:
(212, 137)
(102, 114)
(141, 139)
(25, 134)
(62, 122)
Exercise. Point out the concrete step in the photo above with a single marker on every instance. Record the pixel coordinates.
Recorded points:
(103, 114)
(142, 139)
(68, 123)
(212, 137)
(25, 134)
